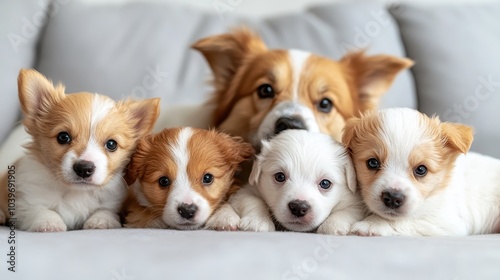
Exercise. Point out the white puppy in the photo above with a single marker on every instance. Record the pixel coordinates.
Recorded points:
(415, 179)
(304, 180)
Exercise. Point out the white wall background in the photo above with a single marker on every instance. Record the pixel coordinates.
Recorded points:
(271, 7)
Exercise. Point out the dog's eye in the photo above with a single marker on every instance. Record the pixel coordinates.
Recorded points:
(265, 91)
(325, 105)
(280, 177)
(63, 138)
(111, 145)
(325, 184)
(373, 164)
(164, 181)
(208, 179)
(420, 171)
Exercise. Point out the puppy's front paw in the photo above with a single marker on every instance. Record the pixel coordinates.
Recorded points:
(334, 227)
(256, 223)
(365, 228)
(49, 225)
(223, 220)
(102, 220)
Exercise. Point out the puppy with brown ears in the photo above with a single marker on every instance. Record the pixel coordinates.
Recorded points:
(71, 176)
(260, 92)
(416, 179)
(180, 176)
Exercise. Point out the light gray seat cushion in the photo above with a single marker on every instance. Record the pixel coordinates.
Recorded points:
(457, 71)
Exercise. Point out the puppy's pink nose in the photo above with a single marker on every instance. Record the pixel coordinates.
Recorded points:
(299, 208)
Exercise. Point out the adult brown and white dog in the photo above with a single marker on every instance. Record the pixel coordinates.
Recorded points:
(260, 92)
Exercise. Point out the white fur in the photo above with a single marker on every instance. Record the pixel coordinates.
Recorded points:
(43, 203)
(306, 158)
(181, 190)
(470, 204)
(298, 59)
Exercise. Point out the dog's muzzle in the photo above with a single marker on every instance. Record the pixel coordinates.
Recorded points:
(285, 123)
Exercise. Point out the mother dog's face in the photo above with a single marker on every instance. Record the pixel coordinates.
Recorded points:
(261, 92)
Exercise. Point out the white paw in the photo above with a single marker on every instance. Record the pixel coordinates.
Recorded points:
(223, 220)
(365, 228)
(49, 225)
(334, 227)
(256, 223)
(102, 221)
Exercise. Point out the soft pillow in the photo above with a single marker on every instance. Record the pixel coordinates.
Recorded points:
(457, 70)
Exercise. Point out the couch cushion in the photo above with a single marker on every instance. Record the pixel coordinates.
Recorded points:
(142, 49)
(457, 71)
(20, 28)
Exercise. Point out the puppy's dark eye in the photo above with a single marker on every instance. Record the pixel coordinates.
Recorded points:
(325, 184)
(373, 164)
(280, 177)
(208, 179)
(63, 138)
(265, 91)
(420, 171)
(111, 145)
(325, 105)
(164, 181)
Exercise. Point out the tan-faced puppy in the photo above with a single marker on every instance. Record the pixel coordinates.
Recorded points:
(71, 176)
(260, 92)
(180, 176)
(416, 179)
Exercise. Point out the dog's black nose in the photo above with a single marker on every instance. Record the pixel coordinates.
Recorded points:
(299, 208)
(84, 168)
(187, 211)
(285, 123)
(393, 199)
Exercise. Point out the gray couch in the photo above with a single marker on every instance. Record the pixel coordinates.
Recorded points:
(142, 50)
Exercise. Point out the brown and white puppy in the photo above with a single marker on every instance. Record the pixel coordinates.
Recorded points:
(72, 174)
(416, 179)
(180, 176)
(260, 92)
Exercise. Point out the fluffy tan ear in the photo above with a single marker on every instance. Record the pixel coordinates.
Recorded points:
(37, 95)
(457, 136)
(253, 179)
(135, 166)
(373, 75)
(224, 53)
(142, 114)
(237, 151)
(350, 174)
(349, 131)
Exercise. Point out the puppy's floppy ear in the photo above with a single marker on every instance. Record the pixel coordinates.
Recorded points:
(253, 179)
(225, 53)
(373, 75)
(457, 136)
(37, 95)
(142, 114)
(350, 173)
(236, 150)
(349, 131)
(135, 166)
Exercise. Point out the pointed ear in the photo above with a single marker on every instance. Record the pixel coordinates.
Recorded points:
(37, 95)
(349, 131)
(225, 53)
(237, 150)
(457, 136)
(373, 75)
(350, 174)
(142, 114)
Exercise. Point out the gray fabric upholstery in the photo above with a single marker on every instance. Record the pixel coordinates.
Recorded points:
(21, 23)
(457, 71)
